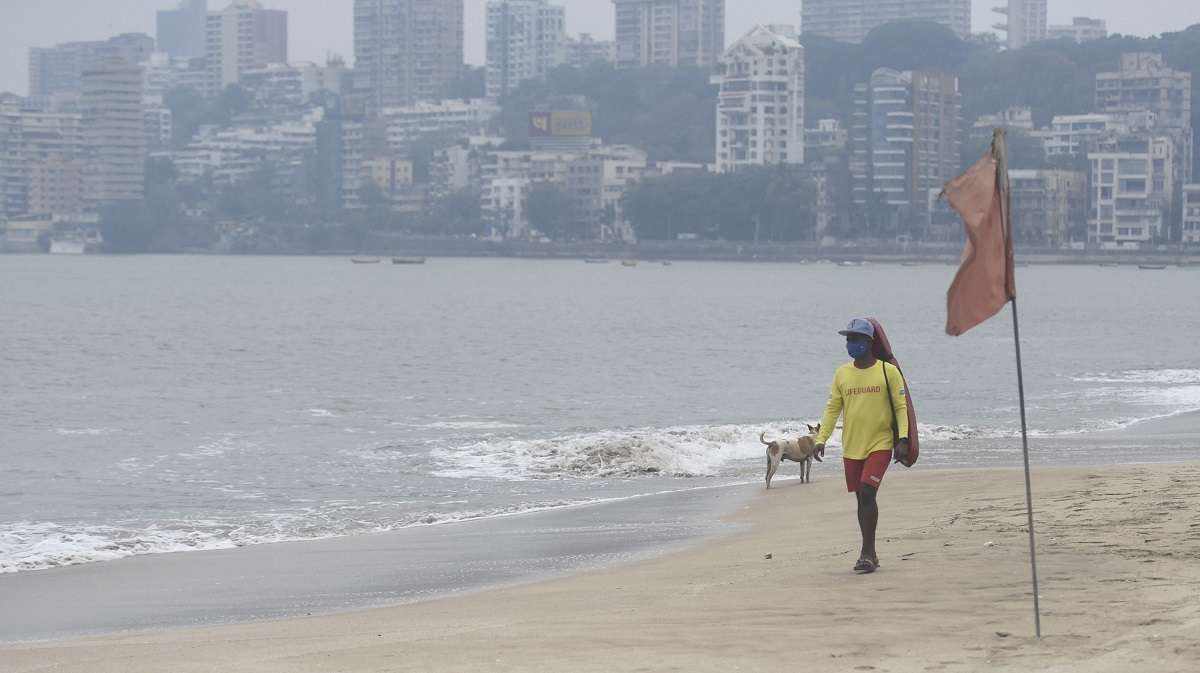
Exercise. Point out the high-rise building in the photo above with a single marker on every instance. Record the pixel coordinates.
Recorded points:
(407, 51)
(1144, 83)
(242, 37)
(40, 173)
(1082, 29)
(181, 31)
(669, 32)
(586, 50)
(905, 140)
(113, 130)
(1191, 214)
(1133, 179)
(58, 70)
(852, 20)
(1048, 206)
(1025, 22)
(760, 108)
(1071, 135)
(525, 40)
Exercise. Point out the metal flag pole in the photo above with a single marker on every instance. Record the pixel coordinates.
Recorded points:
(1000, 151)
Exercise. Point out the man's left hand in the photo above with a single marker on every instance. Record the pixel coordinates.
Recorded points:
(900, 453)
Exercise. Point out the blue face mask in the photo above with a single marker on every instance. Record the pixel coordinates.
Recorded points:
(858, 349)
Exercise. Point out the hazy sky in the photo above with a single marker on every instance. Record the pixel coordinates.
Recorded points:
(320, 27)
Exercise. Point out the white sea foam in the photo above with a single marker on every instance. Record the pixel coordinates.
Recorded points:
(39, 546)
(1154, 376)
(687, 451)
(467, 425)
(89, 432)
(26, 546)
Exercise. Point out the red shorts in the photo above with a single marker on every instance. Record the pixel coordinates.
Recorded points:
(869, 471)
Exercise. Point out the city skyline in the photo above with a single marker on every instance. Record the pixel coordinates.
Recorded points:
(321, 31)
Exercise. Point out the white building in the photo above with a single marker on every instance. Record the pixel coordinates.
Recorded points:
(1082, 29)
(586, 50)
(1133, 178)
(1013, 118)
(1025, 22)
(230, 154)
(525, 40)
(593, 179)
(1070, 135)
(242, 37)
(159, 124)
(452, 117)
(760, 108)
(852, 20)
(161, 73)
(1144, 82)
(282, 86)
(1191, 214)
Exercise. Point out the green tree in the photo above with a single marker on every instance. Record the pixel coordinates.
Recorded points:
(549, 211)
(669, 112)
(457, 214)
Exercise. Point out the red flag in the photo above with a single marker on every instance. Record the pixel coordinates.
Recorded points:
(985, 281)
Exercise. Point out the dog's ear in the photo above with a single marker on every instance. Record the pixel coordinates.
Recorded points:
(812, 429)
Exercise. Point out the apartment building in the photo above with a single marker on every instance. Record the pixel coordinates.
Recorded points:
(669, 32)
(760, 107)
(525, 40)
(852, 20)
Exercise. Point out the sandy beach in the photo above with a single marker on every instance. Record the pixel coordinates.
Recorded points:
(1118, 552)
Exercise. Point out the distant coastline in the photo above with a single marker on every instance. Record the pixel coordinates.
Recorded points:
(730, 251)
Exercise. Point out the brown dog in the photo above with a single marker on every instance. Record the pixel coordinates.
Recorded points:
(800, 450)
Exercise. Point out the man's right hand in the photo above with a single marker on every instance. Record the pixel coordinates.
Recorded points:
(819, 453)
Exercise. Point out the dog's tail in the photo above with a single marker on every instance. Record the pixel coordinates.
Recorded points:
(763, 438)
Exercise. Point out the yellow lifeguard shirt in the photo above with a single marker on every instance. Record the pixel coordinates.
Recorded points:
(860, 397)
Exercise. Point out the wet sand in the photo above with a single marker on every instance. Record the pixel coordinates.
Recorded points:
(1119, 548)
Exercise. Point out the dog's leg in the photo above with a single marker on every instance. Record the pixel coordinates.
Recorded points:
(772, 463)
(806, 468)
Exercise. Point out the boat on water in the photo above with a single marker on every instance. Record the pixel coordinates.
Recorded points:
(408, 260)
(849, 263)
(629, 262)
(365, 260)
(1152, 267)
(667, 263)
(593, 260)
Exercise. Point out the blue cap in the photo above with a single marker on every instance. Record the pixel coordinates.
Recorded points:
(859, 326)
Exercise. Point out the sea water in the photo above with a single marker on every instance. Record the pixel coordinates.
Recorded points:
(165, 404)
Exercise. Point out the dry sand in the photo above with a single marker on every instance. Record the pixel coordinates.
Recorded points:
(1119, 552)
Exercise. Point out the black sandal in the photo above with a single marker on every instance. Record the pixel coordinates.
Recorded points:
(865, 566)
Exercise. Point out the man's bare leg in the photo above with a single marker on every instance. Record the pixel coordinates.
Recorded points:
(868, 520)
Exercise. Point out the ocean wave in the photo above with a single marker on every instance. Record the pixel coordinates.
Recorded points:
(1157, 376)
(26, 546)
(88, 432)
(40, 546)
(467, 425)
(689, 451)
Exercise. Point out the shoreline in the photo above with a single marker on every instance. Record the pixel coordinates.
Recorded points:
(290, 579)
(651, 253)
(1109, 445)
(1112, 593)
